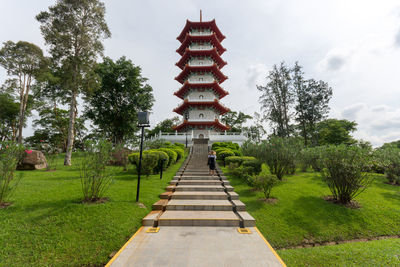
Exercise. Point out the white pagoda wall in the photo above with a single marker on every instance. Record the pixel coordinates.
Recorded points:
(196, 78)
(201, 62)
(208, 114)
(207, 95)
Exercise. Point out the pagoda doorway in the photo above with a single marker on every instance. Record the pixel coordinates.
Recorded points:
(201, 136)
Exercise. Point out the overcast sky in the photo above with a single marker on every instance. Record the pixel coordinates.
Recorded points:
(352, 45)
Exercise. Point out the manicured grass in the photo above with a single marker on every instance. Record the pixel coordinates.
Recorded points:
(372, 253)
(48, 225)
(301, 215)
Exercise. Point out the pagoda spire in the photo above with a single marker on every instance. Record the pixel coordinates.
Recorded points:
(201, 16)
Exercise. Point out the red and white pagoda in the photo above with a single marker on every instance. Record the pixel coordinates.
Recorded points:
(201, 76)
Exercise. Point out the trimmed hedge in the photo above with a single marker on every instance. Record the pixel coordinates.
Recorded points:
(149, 161)
(161, 156)
(180, 152)
(224, 153)
(254, 165)
(238, 160)
(173, 156)
(230, 145)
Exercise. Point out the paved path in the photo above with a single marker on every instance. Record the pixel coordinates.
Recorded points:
(198, 221)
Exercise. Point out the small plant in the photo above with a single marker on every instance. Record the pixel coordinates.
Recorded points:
(95, 177)
(343, 171)
(265, 183)
(10, 155)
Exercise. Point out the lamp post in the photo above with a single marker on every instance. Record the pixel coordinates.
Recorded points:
(143, 121)
(186, 138)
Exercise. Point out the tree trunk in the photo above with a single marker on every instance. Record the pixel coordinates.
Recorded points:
(21, 109)
(71, 127)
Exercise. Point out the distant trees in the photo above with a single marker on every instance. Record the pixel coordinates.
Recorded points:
(335, 132)
(74, 30)
(164, 126)
(114, 105)
(235, 120)
(24, 62)
(9, 117)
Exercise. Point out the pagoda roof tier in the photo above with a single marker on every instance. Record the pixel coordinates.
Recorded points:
(213, 53)
(203, 24)
(214, 85)
(212, 38)
(190, 69)
(216, 123)
(215, 104)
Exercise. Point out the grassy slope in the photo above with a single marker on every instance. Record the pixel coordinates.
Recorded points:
(47, 225)
(301, 214)
(372, 253)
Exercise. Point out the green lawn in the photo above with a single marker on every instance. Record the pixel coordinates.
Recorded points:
(301, 215)
(372, 253)
(48, 226)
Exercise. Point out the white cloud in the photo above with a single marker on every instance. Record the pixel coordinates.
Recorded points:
(256, 75)
(350, 112)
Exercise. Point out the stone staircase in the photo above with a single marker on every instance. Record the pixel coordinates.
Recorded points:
(195, 198)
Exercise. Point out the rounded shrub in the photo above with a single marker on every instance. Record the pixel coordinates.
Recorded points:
(254, 165)
(171, 154)
(149, 161)
(163, 158)
(222, 154)
(178, 151)
(233, 159)
(181, 146)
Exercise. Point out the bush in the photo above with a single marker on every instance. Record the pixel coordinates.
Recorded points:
(180, 152)
(10, 155)
(237, 152)
(278, 153)
(265, 183)
(254, 166)
(162, 159)
(389, 159)
(179, 145)
(230, 145)
(233, 159)
(150, 160)
(241, 172)
(222, 154)
(343, 171)
(171, 154)
(95, 178)
(312, 157)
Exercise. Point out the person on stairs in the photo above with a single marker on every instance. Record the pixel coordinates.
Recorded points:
(212, 157)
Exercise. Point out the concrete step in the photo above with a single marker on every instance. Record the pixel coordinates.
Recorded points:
(248, 220)
(199, 204)
(159, 205)
(151, 217)
(200, 188)
(165, 195)
(191, 177)
(198, 218)
(199, 195)
(198, 182)
(240, 206)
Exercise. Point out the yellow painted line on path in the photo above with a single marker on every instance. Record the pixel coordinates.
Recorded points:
(272, 249)
(120, 251)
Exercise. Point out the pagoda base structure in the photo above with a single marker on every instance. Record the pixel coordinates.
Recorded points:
(211, 136)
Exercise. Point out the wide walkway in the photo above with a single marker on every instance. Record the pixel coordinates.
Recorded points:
(197, 222)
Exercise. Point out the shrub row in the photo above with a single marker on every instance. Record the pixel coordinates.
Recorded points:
(226, 149)
(154, 159)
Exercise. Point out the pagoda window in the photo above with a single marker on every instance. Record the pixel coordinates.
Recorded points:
(201, 96)
(200, 79)
(201, 115)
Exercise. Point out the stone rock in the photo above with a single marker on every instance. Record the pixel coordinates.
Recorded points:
(120, 157)
(35, 160)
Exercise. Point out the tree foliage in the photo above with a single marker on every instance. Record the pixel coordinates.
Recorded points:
(114, 105)
(335, 132)
(9, 117)
(25, 63)
(312, 98)
(235, 120)
(73, 30)
(277, 99)
(164, 126)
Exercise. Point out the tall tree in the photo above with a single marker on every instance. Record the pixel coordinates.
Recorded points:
(336, 132)
(25, 63)
(74, 30)
(114, 105)
(256, 131)
(312, 98)
(277, 99)
(235, 120)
